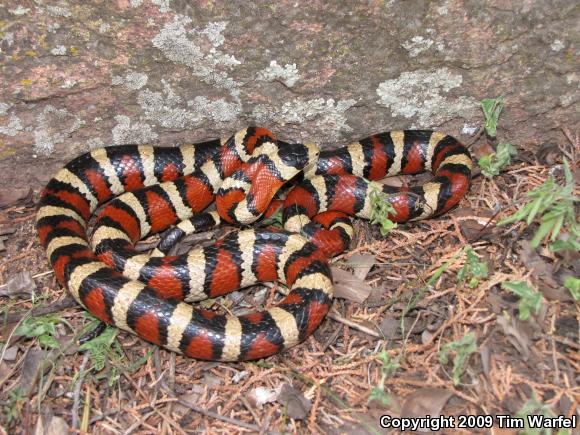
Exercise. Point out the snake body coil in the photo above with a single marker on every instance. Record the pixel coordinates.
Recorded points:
(148, 189)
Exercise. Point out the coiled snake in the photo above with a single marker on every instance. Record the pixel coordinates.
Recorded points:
(149, 189)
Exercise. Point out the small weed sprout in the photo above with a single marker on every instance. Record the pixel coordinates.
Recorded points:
(492, 108)
(13, 408)
(573, 284)
(276, 219)
(105, 347)
(530, 299)
(43, 328)
(381, 208)
(534, 408)
(492, 164)
(100, 347)
(462, 348)
(388, 367)
(473, 268)
(555, 206)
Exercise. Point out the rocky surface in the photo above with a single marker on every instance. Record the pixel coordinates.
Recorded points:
(77, 75)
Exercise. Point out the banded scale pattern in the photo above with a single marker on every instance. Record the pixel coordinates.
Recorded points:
(246, 186)
(150, 189)
(339, 182)
(77, 190)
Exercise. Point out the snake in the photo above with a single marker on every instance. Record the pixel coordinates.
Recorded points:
(94, 210)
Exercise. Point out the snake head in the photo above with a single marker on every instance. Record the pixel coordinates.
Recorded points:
(298, 155)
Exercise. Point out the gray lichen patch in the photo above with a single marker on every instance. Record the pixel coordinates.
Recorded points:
(54, 126)
(126, 132)
(163, 5)
(423, 95)
(58, 11)
(132, 80)
(94, 143)
(287, 74)
(209, 64)
(12, 127)
(167, 110)
(58, 51)
(328, 115)
(4, 108)
(19, 10)
(416, 45)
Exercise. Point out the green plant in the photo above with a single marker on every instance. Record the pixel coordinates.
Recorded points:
(15, 401)
(492, 164)
(462, 348)
(381, 208)
(530, 299)
(388, 367)
(43, 328)
(555, 206)
(105, 348)
(100, 347)
(275, 219)
(492, 108)
(473, 268)
(573, 284)
(534, 407)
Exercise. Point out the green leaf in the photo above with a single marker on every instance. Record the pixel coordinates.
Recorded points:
(43, 328)
(101, 347)
(565, 245)
(492, 164)
(381, 209)
(573, 284)
(380, 396)
(48, 341)
(492, 108)
(462, 349)
(542, 231)
(530, 299)
(555, 207)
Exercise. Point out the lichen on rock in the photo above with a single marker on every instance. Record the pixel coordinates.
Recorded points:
(132, 80)
(287, 74)
(127, 132)
(208, 64)
(53, 127)
(166, 108)
(423, 95)
(327, 114)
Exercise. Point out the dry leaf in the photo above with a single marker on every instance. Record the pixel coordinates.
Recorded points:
(485, 353)
(543, 272)
(21, 284)
(361, 264)
(548, 154)
(259, 396)
(395, 181)
(31, 370)
(297, 406)
(425, 402)
(11, 353)
(516, 335)
(191, 397)
(474, 224)
(348, 286)
(49, 424)
(390, 327)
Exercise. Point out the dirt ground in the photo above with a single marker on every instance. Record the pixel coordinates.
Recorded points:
(423, 341)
